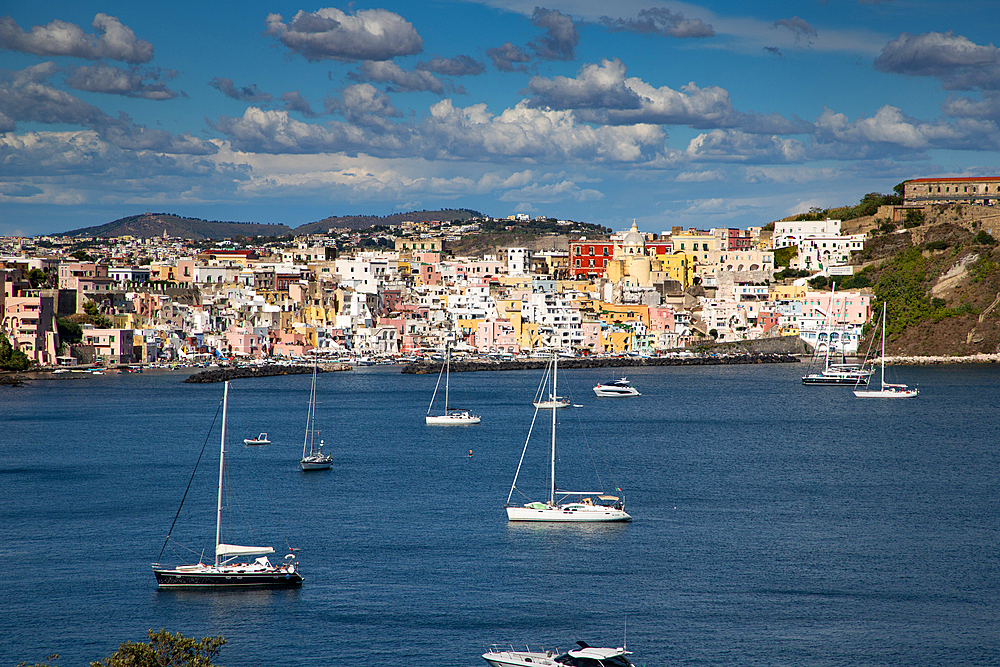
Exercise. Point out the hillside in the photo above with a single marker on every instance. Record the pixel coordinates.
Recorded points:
(940, 280)
(156, 224)
(365, 221)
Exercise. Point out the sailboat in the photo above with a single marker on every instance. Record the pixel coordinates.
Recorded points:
(545, 397)
(885, 389)
(837, 374)
(231, 568)
(592, 506)
(313, 457)
(449, 417)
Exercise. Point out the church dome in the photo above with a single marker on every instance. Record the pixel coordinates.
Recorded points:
(634, 243)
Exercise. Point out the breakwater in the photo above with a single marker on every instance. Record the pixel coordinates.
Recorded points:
(240, 372)
(603, 362)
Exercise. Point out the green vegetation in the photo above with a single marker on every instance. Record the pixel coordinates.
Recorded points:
(984, 238)
(69, 331)
(783, 256)
(867, 206)
(11, 359)
(162, 650)
(914, 218)
(936, 245)
(38, 278)
(96, 318)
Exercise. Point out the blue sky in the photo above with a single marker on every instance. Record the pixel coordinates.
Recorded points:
(701, 115)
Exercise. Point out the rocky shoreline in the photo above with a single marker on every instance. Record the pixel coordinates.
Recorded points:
(927, 361)
(223, 374)
(603, 362)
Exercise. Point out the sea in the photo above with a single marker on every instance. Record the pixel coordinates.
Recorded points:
(774, 523)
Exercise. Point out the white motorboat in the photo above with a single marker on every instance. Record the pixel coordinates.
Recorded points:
(255, 442)
(886, 390)
(585, 656)
(545, 397)
(449, 417)
(592, 506)
(313, 457)
(617, 388)
(231, 568)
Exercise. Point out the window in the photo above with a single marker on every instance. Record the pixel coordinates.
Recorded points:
(605, 251)
(591, 253)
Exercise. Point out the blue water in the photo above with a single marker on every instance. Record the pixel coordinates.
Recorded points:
(775, 524)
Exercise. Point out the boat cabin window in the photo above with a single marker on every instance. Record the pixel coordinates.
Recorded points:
(616, 661)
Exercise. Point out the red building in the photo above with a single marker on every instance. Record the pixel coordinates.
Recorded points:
(588, 259)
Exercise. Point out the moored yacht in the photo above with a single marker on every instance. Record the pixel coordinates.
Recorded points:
(617, 388)
(585, 656)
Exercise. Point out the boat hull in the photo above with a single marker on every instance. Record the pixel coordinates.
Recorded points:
(833, 380)
(886, 393)
(452, 420)
(563, 514)
(614, 392)
(548, 405)
(185, 579)
(316, 465)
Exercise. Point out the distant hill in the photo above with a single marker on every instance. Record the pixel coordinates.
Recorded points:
(156, 224)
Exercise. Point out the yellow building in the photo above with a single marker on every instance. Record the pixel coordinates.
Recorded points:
(614, 314)
(678, 266)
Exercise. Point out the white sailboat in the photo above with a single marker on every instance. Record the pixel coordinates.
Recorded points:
(231, 569)
(886, 390)
(545, 396)
(449, 417)
(313, 457)
(837, 374)
(592, 506)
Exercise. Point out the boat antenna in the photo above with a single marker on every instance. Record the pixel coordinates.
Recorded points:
(174, 523)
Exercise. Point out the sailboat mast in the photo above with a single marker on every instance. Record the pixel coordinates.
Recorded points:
(883, 347)
(222, 467)
(552, 467)
(447, 374)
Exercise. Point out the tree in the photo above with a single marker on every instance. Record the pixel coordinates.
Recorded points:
(162, 650)
(96, 318)
(38, 278)
(11, 359)
(165, 650)
(82, 256)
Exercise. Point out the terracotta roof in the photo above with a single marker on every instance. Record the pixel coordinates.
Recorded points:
(963, 178)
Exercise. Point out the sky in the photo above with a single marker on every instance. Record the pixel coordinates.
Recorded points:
(718, 114)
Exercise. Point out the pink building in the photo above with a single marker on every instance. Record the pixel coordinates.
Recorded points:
(112, 346)
(84, 277)
(839, 307)
(244, 342)
(28, 318)
(661, 318)
(496, 336)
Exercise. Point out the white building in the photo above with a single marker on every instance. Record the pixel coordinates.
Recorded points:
(822, 252)
(559, 320)
(792, 232)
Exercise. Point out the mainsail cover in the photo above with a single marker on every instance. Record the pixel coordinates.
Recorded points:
(237, 550)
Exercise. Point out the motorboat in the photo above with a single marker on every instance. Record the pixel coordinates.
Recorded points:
(617, 388)
(585, 656)
(592, 506)
(231, 568)
(258, 441)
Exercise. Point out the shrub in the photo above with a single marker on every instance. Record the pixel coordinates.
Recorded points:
(936, 245)
(984, 238)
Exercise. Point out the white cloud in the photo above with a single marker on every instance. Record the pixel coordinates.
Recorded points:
(329, 33)
(59, 38)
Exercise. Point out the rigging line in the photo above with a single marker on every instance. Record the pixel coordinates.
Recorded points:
(518, 472)
(174, 523)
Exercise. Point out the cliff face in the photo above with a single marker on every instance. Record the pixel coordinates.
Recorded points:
(940, 280)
